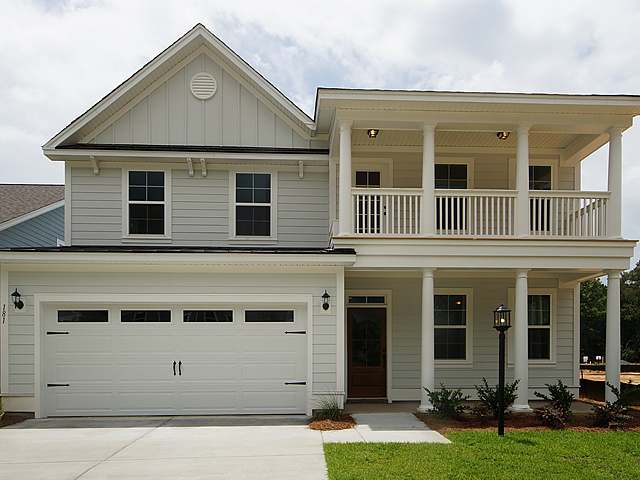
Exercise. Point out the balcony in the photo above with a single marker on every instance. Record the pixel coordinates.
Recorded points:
(478, 213)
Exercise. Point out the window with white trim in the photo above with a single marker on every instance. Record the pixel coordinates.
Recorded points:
(146, 200)
(450, 323)
(253, 205)
(539, 320)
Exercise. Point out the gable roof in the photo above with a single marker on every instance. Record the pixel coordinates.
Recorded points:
(17, 200)
(197, 37)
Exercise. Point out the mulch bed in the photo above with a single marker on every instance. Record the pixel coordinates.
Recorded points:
(346, 421)
(582, 422)
(13, 418)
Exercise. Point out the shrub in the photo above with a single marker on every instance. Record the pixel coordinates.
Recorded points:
(561, 396)
(552, 415)
(447, 403)
(481, 412)
(614, 414)
(328, 409)
(489, 396)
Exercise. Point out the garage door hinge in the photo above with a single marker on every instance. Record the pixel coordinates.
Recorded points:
(297, 332)
(295, 383)
(58, 385)
(57, 333)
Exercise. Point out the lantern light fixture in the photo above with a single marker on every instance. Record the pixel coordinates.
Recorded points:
(325, 301)
(15, 297)
(503, 135)
(373, 132)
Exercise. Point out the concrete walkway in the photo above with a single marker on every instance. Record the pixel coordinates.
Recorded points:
(252, 447)
(385, 427)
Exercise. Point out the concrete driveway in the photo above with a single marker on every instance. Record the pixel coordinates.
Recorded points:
(261, 447)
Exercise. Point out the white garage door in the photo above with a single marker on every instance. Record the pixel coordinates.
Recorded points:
(141, 360)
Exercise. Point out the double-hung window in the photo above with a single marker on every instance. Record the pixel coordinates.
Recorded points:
(146, 203)
(450, 323)
(539, 319)
(253, 205)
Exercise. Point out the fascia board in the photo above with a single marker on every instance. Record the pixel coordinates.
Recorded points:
(30, 215)
(212, 259)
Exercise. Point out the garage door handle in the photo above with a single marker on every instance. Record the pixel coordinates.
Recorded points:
(57, 333)
(180, 367)
(295, 383)
(174, 368)
(297, 332)
(58, 385)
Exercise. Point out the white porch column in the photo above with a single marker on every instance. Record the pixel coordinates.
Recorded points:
(522, 181)
(612, 349)
(428, 220)
(427, 367)
(614, 206)
(521, 330)
(346, 224)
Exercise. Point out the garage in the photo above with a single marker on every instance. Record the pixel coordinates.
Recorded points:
(172, 359)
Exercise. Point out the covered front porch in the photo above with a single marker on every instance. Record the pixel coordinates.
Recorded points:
(416, 327)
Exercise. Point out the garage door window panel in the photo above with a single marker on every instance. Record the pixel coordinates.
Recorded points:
(207, 316)
(145, 316)
(269, 316)
(83, 316)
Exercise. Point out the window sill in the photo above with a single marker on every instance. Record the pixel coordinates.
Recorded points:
(453, 364)
(253, 241)
(159, 239)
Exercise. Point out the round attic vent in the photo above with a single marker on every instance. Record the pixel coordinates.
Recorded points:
(203, 85)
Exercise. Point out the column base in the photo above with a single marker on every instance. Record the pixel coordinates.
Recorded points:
(425, 408)
(521, 408)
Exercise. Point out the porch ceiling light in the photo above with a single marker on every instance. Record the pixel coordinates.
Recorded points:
(373, 132)
(503, 135)
(325, 300)
(15, 297)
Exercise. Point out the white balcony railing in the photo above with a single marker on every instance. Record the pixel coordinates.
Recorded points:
(479, 213)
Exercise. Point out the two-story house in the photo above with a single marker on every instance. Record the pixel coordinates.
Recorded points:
(225, 253)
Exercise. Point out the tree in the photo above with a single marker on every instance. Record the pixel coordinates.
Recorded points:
(630, 314)
(593, 318)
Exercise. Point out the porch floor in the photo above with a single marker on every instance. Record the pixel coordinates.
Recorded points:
(410, 407)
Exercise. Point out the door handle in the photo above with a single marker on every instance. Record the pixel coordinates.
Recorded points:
(174, 368)
(180, 367)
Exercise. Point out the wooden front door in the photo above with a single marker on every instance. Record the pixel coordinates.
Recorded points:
(367, 352)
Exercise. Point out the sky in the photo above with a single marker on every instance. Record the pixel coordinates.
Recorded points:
(59, 57)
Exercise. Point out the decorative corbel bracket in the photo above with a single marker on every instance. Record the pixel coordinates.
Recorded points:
(95, 165)
(190, 165)
(203, 165)
(301, 169)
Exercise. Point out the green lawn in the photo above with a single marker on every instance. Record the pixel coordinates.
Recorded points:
(523, 455)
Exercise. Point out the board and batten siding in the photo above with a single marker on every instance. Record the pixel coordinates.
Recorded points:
(21, 369)
(171, 115)
(41, 231)
(200, 207)
(406, 328)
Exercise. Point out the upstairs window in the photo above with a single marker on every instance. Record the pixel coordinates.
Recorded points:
(253, 205)
(539, 177)
(451, 176)
(147, 203)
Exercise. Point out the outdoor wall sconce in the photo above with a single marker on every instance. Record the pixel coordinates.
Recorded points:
(373, 132)
(325, 301)
(502, 323)
(503, 135)
(15, 296)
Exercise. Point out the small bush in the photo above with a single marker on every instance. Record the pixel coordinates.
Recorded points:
(489, 396)
(552, 415)
(561, 396)
(328, 409)
(447, 403)
(481, 412)
(613, 414)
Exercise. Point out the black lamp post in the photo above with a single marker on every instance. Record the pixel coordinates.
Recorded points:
(502, 323)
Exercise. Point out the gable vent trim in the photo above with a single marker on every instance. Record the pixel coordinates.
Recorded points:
(203, 85)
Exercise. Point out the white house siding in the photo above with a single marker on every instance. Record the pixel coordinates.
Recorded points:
(488, 294)
(172, 284)
(41, 231)
(200, 207)
(169, 114)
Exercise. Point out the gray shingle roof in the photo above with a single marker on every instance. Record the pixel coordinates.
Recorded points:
(19, 199)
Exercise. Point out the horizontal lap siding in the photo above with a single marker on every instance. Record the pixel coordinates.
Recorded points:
(41, 231)
(21, 327)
